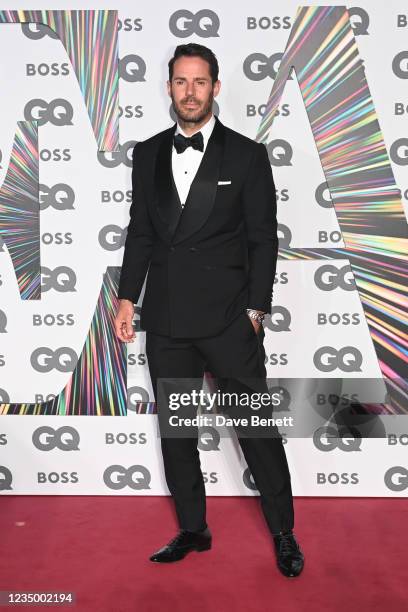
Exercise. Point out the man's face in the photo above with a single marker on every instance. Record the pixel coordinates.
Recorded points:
(191, 89)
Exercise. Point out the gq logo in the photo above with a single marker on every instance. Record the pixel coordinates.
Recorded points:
(258, 66)
(58, 112)
(117, 477)
(208, 439)
(44, 359)
(112, 237)
(132, 68)
(6, 478)
(248, 480)
(328, 278)
(346, 359)
(205, 23)
(327, 439)
(396, 478)
(62, 279)
(113, 159)
(35, 31)
(64, 438)
(280, 152)
(61, 197)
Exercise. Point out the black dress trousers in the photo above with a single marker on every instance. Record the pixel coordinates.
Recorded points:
(234, 355)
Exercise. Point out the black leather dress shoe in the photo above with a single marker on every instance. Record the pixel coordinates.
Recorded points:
(289, 556)
(183, 543)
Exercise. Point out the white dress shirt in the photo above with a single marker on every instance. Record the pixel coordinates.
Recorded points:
(185, 165)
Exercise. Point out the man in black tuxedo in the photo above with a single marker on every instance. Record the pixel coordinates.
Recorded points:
(203, 226)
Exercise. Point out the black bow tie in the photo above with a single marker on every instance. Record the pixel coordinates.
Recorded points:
(182, 142)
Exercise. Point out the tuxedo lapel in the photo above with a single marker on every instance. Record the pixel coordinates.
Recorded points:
(179, 223)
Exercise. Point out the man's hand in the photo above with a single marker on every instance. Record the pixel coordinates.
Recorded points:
(123, 321)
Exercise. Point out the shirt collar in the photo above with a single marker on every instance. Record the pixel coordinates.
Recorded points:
(206, 129)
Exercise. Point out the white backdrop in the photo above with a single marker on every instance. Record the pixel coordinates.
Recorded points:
(85, 233)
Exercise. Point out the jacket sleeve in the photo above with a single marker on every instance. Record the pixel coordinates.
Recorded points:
(139, 240)
(260, 209)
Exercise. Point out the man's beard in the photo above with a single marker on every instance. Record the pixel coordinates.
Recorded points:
(193, 116)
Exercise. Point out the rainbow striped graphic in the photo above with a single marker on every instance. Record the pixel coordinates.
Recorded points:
(324, 54)
(91, 42)
(20, 210)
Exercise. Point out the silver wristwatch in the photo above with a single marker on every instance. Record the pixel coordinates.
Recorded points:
(254, 314)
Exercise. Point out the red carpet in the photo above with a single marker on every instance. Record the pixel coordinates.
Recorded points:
(98, 547)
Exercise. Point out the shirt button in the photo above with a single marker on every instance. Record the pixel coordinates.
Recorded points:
(193, 249)
(172, 248)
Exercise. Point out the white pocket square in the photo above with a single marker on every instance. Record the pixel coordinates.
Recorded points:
(224, 182)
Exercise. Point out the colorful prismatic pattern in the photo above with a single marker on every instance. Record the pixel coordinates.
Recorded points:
(19, 210)
(324, 54)
(98, 385)
(91, 41)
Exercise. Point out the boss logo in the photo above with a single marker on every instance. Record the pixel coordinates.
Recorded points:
(55, 155)
(57, 478)
(337, 479)
(130, 25)
(208, 439)
(394, 439)
(328, 278)
(205, 23)
(255, 111)
(346, 359)
(267, 23)
(210, 478)
(327, 439)
(136, 477)
(62, 279)
(50, 320)
(112, 237)
(44, 69)
(132, 68)
(116, 196)
(138, 359)
(113, 159)
(131, 112)
(259, 66)
(44, 359)
(125, 438)
(60, 196)
(57, 238)
(64, 438)
(335, 318)
(59, 112)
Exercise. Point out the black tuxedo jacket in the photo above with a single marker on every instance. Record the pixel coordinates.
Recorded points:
(210, 260)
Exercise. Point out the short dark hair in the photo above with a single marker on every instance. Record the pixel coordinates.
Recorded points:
(195, 50)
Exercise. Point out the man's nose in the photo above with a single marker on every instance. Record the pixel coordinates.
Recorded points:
(190, 89)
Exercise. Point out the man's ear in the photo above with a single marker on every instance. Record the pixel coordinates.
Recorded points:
(217, 87)
(169, 88)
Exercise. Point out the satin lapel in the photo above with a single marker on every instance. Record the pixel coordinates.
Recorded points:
(203, 190)
(166, 202)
